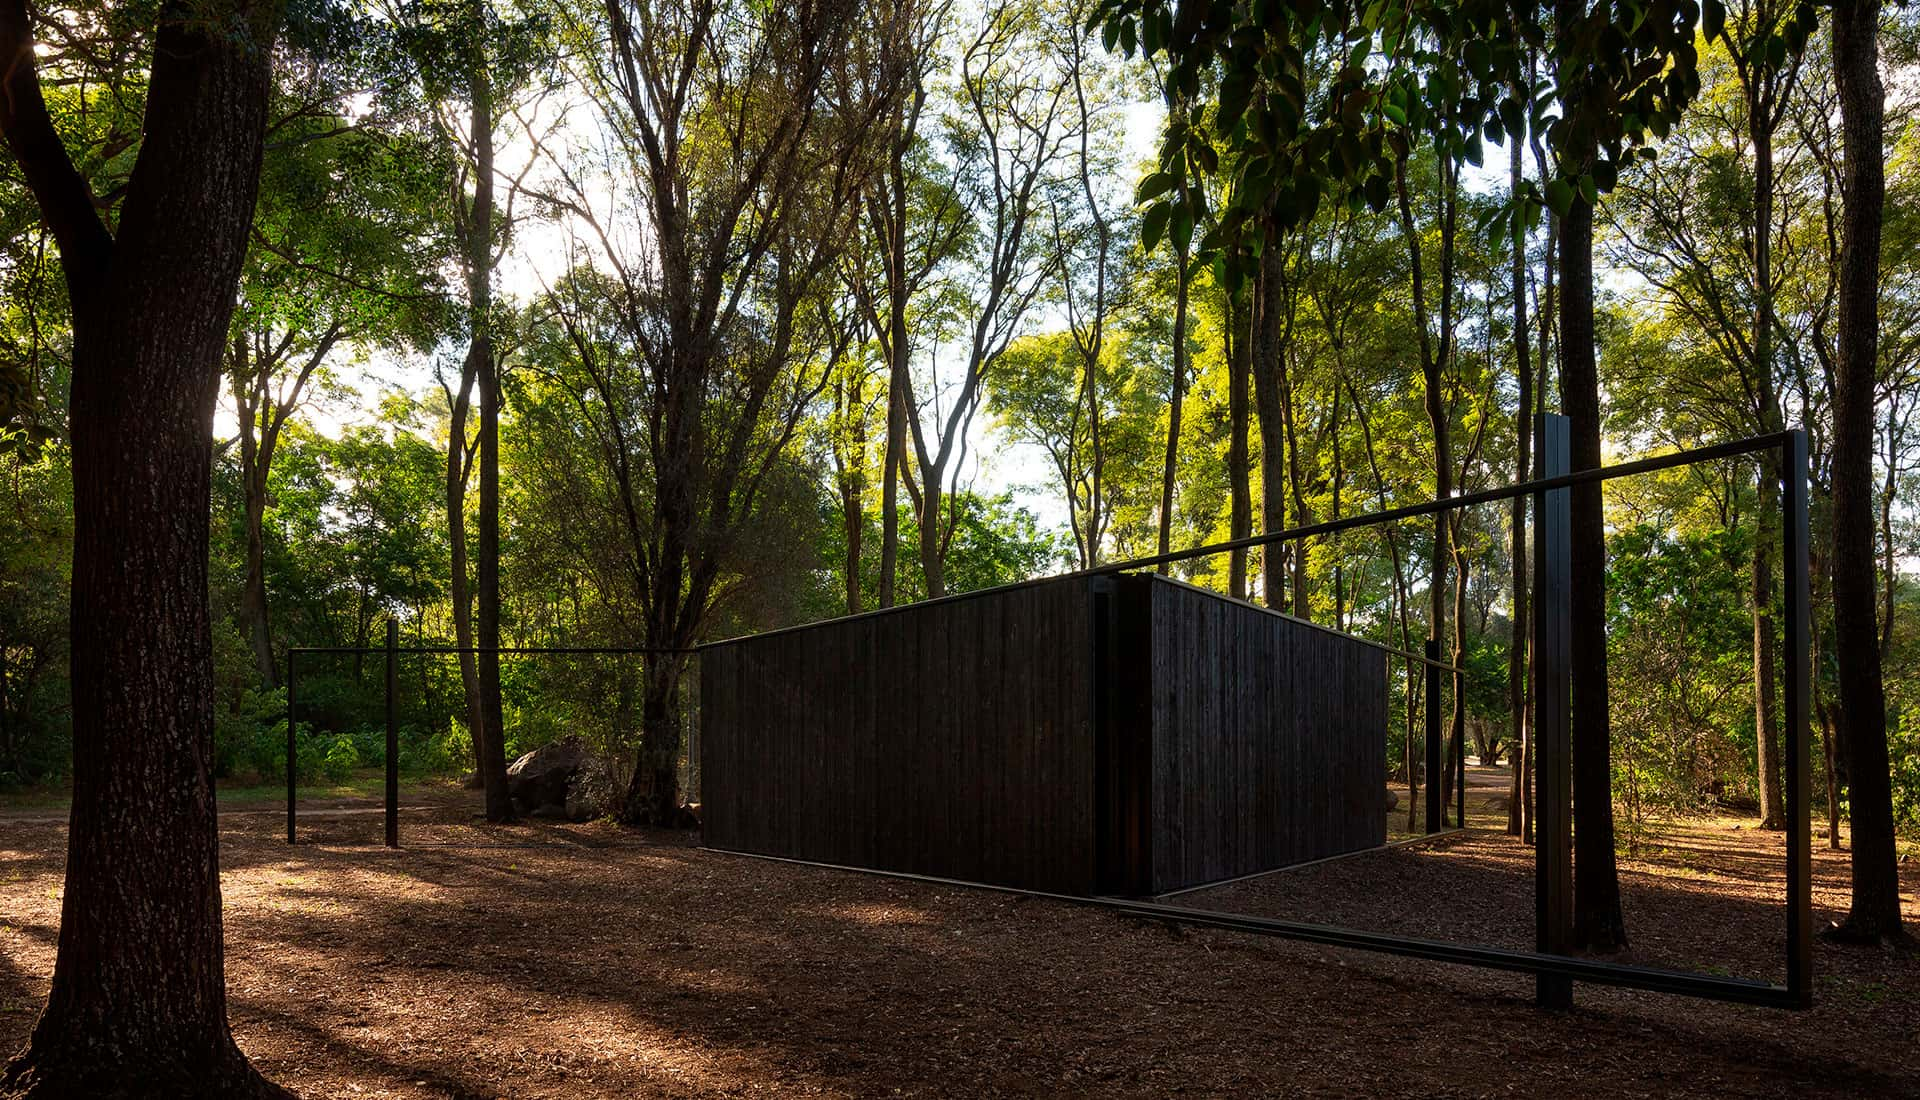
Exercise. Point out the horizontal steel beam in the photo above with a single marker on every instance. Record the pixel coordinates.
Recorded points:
(615, 650)
(1597, 971)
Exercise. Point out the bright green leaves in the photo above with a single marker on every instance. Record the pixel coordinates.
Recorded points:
(1559, 196)
(1155, 185)
(1153, 224)
(20, 429)
(1312, 102)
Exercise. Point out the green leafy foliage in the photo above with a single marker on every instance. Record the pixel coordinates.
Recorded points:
(1313, 101)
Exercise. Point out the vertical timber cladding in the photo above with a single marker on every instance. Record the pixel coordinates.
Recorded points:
(1268, 743)
(951, 738)
(1120, 735)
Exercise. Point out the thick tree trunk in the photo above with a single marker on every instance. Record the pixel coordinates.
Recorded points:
(1875, 910)
(138, 1001)
(1598, 924)
(653, 795)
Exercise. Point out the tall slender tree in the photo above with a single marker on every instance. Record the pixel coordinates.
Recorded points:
(1874, 913)
(1518, 634)
(696, 352)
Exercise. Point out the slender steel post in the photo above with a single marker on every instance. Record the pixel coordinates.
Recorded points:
(292, 741)
(393, 734)
(1799, 694)
(1436, 808)
(1553, 744)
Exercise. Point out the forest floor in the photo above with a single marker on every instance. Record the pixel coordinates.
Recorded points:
(551, 960)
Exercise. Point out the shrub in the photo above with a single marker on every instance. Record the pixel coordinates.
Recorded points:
(341, 757)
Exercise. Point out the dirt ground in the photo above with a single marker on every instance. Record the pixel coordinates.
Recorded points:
(589, 961)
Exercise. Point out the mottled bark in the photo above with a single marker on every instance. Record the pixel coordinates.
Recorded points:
(1169, 468)
(138, 1000)
(1269, 344)
(460, 586)
(1598, 924)
(490, 735)
(1240, 510)
(1874, 913)
(1518, 635)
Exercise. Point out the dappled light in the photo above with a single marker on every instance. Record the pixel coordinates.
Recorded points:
(639, 963)
(603, 548)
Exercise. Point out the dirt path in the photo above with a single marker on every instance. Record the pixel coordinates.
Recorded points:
(586, 961)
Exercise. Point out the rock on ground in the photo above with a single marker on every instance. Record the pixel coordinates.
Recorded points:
(564, 779)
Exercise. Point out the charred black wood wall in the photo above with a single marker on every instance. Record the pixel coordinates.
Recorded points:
(951, 738)
(1268, 736)
(1114, 735)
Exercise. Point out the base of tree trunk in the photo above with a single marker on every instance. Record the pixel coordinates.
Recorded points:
(1606, 937)
(98, 1071)
(653, 813)
(1852, 933)
(1773, 824)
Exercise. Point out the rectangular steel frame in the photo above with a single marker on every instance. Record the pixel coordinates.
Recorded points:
(1555, 970)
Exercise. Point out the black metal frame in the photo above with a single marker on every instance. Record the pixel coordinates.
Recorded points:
(391, 652)
(1554, 968)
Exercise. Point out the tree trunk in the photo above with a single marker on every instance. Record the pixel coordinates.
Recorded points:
(1170, 467)
(653, 795)
(253, 481)
(490, 742)
(138, 1000)
(1296, 477)
(1875, 910)
(1517, 633)
(932, 554)
(460, 588)
(1767, 753)
(253, 596)
(853, 494)
(897, 365)
(1269, 344)
(1239, 367)
(890, 490)
(1598, 924)
(1768, 759)
(1433, 362)
(1549, 310)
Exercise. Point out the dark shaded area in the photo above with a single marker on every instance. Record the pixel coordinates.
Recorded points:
(561, 960)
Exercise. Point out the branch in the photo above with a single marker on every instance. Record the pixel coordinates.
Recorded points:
(66, 202)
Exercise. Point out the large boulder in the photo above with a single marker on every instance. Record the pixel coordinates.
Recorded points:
(591, 793)
(541, 781)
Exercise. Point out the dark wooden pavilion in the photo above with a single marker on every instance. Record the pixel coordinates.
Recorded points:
(1081, 735)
